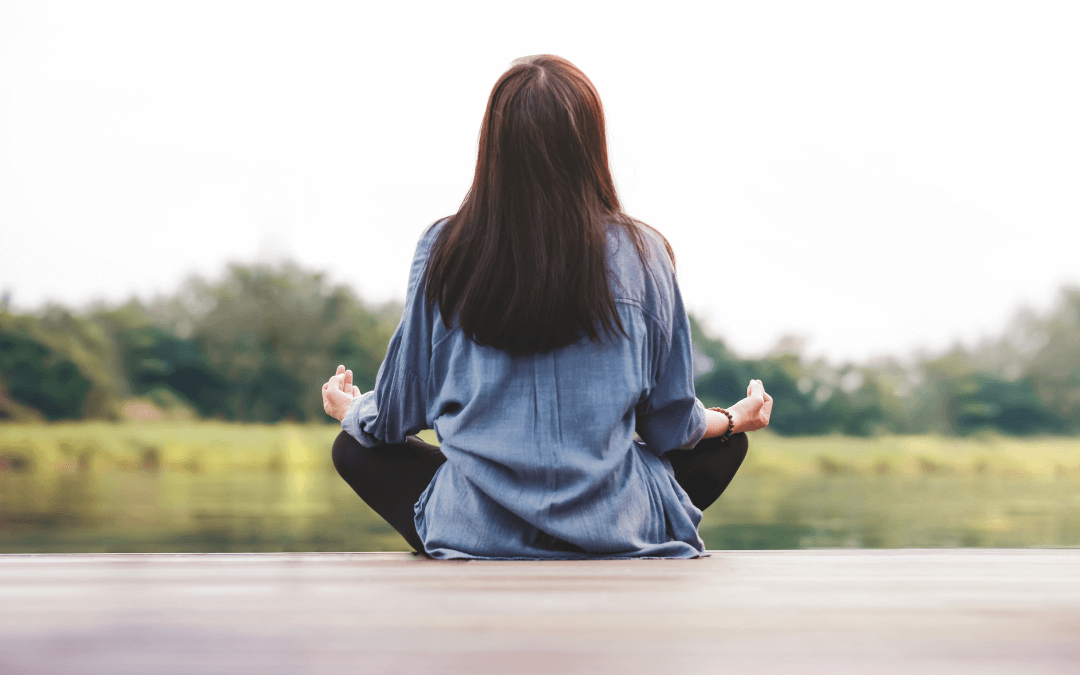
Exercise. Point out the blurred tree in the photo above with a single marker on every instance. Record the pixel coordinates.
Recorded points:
(38, 377)
(276, 334)
(1054, 369)
(153, 357)
(722, 377)
(40, 369)
(794, 409)
(980, 401)
(257, 345)
(809, 398)
(148, 359)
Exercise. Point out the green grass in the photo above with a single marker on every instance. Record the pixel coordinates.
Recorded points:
(983, 455)
(208, 446)
(196, 447)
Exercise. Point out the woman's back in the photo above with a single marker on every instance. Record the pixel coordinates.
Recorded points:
(540, 449)
(543, 327)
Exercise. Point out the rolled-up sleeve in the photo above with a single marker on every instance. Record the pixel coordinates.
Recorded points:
(397, 407)
(671, 416)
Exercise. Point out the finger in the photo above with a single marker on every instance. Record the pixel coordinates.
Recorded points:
(348, 380)
(340, 370)
(338, 382)
(337, 397)
(356, 390)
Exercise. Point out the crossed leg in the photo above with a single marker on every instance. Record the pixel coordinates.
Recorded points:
(391, 478)
(705, 470)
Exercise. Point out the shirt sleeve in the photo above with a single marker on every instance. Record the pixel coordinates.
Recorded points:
(397, 406)
(671, 417)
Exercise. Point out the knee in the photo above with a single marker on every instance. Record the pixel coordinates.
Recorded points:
(739, 444)
(344, 452)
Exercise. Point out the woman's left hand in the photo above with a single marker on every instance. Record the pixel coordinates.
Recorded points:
(338, 393)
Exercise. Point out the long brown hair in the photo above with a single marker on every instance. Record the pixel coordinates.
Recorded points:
(522, 263)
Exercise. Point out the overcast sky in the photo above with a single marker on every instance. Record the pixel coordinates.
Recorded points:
(874, 177)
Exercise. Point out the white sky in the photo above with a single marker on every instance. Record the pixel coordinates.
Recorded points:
(874, 177)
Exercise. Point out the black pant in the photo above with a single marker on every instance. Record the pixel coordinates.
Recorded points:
(390, 478)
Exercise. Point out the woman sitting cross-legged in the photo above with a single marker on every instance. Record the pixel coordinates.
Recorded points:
(545, 341)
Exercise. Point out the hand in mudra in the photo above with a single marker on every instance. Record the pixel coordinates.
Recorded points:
(753, 412)
(338, 393)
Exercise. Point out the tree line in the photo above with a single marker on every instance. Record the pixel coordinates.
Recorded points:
(256, 345)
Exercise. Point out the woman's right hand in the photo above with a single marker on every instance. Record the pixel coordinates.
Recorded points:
(338, 393)
(753, 412)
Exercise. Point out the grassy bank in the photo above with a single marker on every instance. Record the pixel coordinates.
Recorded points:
(198, 447)
(213, 486)
(194, 447)
(1042, 456)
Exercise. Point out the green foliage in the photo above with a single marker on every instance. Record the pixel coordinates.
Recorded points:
(274, 335)
(155, 358)
(808, 398)
(57, 364)
(980, 401)
(1054, 370)
(1027, 382)
(39, 378)
(254, 346)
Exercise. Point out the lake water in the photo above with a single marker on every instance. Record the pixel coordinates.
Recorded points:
(158, 510)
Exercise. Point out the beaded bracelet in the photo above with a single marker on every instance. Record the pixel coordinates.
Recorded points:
(730, 424)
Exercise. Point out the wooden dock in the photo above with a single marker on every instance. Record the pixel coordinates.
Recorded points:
(836, 611)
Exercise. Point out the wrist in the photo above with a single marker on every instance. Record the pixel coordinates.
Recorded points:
(736, 420)
(726, 423)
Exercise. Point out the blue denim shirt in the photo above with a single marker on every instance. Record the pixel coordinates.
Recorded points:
(541, 455)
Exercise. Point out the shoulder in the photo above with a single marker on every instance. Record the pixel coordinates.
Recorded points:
(659, 255)
(423, 250)
(427, 239)
(654, 246)
(420, 256)
(640, 273)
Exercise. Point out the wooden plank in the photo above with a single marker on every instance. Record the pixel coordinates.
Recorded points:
(836, 611)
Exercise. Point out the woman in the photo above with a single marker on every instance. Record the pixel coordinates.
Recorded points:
(542, 329)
